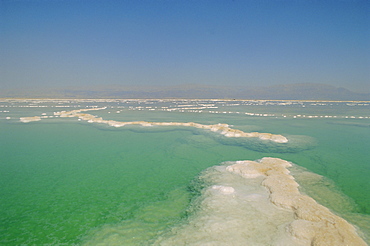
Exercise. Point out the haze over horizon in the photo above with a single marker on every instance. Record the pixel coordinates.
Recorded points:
(163, 43)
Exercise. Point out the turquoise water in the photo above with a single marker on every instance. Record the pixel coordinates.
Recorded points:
(68, 182)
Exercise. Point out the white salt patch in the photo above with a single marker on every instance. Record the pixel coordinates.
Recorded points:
(254, 197)
(30, 119)
(224, 189)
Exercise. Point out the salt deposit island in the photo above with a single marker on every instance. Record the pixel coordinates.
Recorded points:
(223, 129)
(313, 222)
(259, 203)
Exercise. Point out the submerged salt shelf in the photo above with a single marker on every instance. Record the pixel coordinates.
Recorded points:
(234, 208)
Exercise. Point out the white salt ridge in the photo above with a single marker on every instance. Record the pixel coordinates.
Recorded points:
(223, 129)
(200, 106)
(201, 110)
(239, 211)
(314, 224)
(30, 119)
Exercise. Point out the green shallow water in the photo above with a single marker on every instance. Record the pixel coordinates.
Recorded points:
(64, 182)
(59, 181)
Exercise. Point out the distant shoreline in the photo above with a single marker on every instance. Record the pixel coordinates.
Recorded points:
(172, 99)
(297, 91)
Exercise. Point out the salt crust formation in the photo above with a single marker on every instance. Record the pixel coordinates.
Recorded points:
(223, 129)
(255, 203)
(313, 223)
(30, 119)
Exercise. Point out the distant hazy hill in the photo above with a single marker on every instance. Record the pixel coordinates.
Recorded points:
(307, 91)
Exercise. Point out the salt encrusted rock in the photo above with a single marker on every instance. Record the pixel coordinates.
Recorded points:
(247, 169)
(314, 223)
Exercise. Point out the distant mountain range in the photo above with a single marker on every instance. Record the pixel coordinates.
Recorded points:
(306, 91)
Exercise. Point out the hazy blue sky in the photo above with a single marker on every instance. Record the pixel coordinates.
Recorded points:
(138, 42)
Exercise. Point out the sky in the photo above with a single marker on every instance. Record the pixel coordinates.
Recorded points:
(55, 43)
